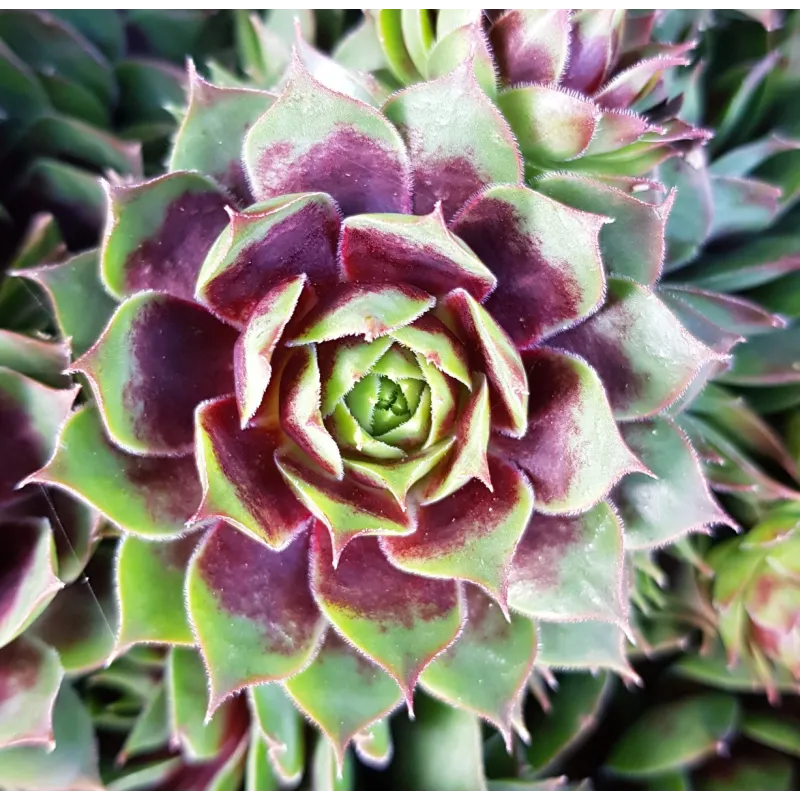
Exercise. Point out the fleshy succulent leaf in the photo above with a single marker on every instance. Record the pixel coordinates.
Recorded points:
(158, 233)
(82, 620)
(568, 569)
(676, 501)
(200, 737)
(451, 162)
(644, 356)
(470, 535)
(71, 764)
(30, 675)
(531, 45)
(156, 613)
(347, 149)
(81, 305)
(465, 44)
(552, 125)
(29, 571)
(420, 250)
(281, 727)
(584, 645)
(210, 137)
(265, 245)
(688, 731)
(40, 359)
(157, 359)
(300, 411)
(148, 496)
(631, 246)
(30, 416)
(374, 745)
(347, 508)
(545, 255)
(362, 309)
(488, 646)
(568, 415)
(251, 609)
(467, 458)
(256, 345)
(499, 359)
(769, 360)
(401, 621)
(343, 692)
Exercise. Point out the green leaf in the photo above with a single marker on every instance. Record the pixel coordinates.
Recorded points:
(675, 500)
(676, 735)
(259, 775)
(487, 667)
(212, 133)
(151, 729)
(775, 731)
(424, 750)
(30, 676)
(82, 621)
(768, 772)
(582, 646)
(157, 615)
(343, 692)
(452, 162)
(575, 713)
(29, 562)
(390, 32)
(147, 496)
(567, 569)
(326, 774)
(251, 610)
(768, 360)
(186, 683)
(374, 746)
(281, 727)
(40, 359)
(82, 307)
(72, 764)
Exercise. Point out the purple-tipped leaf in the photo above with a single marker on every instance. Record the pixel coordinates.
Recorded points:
(263, 247)
(531, 45)
(570, 568)
(593, 40)
(451, 162)
(344, 148)
(416, 250)
(545, 255)
(470, 535)
(645, 358)
(572, 451)
(631, 85)
(400, 621)
(252, 611)
(241, 483)
(158, 358)
(158, 233)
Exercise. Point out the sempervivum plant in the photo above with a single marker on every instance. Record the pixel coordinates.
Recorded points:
(733, 230)
(579, 88)
(82, 93)
(46, 539)
(363, 434)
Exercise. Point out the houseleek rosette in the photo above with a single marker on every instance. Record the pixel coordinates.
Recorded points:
(365, 413)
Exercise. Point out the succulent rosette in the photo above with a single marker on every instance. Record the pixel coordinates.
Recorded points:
(756, 592)
(583, 89)
(371, 412)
